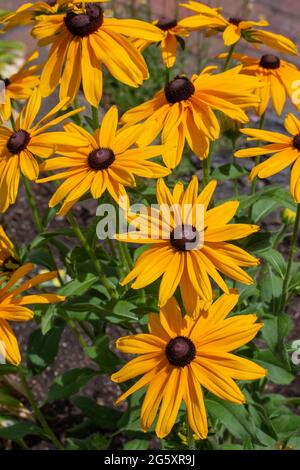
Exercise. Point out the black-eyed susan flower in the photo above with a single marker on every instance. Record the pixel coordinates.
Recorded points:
(27, 13)
(189, 247)
(19, 86)
(12, 307)
(20, 146)
(173, 33)
(180, 355)
(9, 260)
(286, 150)
(106, 162)
(183, 110)
(234, 28)
(278, 77)
(82, 40)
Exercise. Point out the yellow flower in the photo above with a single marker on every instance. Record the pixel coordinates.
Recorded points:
(184, 110)
(27, 13)
(180, 355)
(82, 40)
(19, 86)
(188, 248)
(286, 150)
(105, 162)
(173, 32)
(9, 260)
(234, 28)
(12, 307)
(19, 147)
(277, 75)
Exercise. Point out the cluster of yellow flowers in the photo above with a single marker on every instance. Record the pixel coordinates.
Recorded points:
(180, 354)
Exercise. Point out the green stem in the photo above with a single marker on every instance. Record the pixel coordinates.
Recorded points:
(257, 160)
(37, 412)
(38, 223)
(167, 75)
(229, 57)
(76, 118)
(205, 172)
(76, 332)
(293, 247)
(95, 113)
(78, 232)
(127, 256)
(32, 203)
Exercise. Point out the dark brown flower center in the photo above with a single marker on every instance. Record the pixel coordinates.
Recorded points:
(269, 61)
(179, 89)
(51, 3)
(296, 142)
(235, 20)
(84, 24)
(18, 141)
(180, 351)
(166, 23)
(184, 237)
(101, 158)
(5, 80)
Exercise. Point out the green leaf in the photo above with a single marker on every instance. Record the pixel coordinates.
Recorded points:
(234, 417)
(263, 207)
(271, 289)
(257, 243)
(102, 416)
(70, 383)
(48, 318)
(276, 371)
(93, 442)
(78, 286)
(101, 354)
(276, 260)
(19, 430)
(7, 400)
(230, 171)
(136, 444)
(286, 424)
(42, 349)
(276, 329)
(123, 310)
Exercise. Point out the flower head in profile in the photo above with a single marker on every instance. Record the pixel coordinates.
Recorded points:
(286, 150)
(184, 110)
(188, 249)
(106, 162)
(174, 33)
(13, 307)
(82, 39)
(278, 76)
(9, 260)
(180, 355)
(19, 86)
(20, 146)
(25, 14)
(235, 28)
